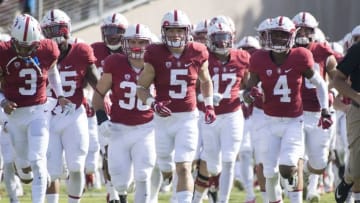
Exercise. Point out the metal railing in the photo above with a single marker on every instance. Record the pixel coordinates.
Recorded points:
(82, 12)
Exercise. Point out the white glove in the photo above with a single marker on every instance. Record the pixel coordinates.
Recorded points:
(69, 108)
(104, 129)
(217, 97)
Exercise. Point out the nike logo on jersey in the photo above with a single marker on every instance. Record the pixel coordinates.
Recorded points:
(232, 69)
(67, 67)
(188, 64)
(288, 70)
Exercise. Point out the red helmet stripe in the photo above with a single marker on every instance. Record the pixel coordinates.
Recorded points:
(303, 17)
(52, 15)
(113, 18)
(137, 28)
(26, 28)
(281, 21)
(175, 16)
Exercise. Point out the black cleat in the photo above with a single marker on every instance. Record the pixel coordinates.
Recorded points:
(342, 191)
(123, 198)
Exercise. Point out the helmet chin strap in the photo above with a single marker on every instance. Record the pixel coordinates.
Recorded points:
(114, 47)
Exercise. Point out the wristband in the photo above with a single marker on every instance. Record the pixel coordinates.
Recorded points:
(149, 101)
(101, 116)
(208, 101)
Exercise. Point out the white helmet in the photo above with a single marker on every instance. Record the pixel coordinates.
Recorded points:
(224, 19)
(347, 41)
(175, 19)
(4, 37)
(56, 25)
(262, 32)
(220, 38)
(305, 19)
(248, 42)
(355, 34)
(337, 47)
(200, 31)
(279, 26)
(112, 29)
(306, 24)
(136, 31)
(319, 35)
(25, 34)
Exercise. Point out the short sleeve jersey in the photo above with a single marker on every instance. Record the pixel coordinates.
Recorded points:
(227, 79)
(321, 52)
(25, 80)
(282, 83)
(126, 108)
(73, 69)
(175, 78)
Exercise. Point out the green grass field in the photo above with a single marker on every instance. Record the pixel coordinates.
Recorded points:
(98, 196)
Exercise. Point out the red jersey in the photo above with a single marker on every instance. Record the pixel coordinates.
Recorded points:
(126, 108)
(321, 52)
(25, 80)
(101, 51)
(73, 69)
(282, 84)
(227, 79)
(175, 78)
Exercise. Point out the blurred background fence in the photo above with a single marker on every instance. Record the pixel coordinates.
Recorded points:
(82, 12)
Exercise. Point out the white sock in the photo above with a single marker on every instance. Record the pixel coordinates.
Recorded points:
(52, 198)
(264, 197)
(295, 196)
(174, 186)
(184, 196)
(198, 196)
(226, 181)
(356, 195)
(39, 183)
(113, 194)
(142, 192)
(313, 183)
(155, 184)
(247, 174)
(10, 181)
(273, 188)
(76, 185)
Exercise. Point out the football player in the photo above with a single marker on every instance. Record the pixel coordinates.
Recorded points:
(112, 30)
(317, 139)
(69, 130)
(174, 67)
(27, 63)
(280, 71)
(131, 124)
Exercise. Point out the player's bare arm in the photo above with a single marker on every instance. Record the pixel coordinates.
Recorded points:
(321, 87)
(102, 87)
(145, 80)
(206, 86)
(252, 81)
(92, 75)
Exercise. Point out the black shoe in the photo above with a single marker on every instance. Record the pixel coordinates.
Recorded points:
(123, 198)
(342, 191)
(114, 201)
(212, 195)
